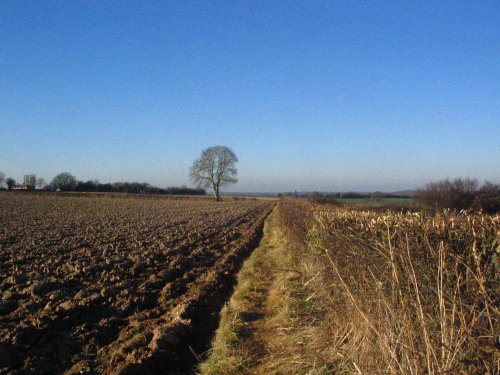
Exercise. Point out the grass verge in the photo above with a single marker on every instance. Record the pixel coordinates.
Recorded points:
(239, 344)
(270, 324)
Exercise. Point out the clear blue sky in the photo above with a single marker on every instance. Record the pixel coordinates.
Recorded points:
(310, 95)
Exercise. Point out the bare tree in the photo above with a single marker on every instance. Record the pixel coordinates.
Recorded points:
(10, 183)
(488, 198)
(215, 168)
(64, 181)
(2, 178)
(457, 194)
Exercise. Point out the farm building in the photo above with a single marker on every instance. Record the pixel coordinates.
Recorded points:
(24, 187)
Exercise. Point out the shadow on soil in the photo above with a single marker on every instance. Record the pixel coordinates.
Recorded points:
(204, 317)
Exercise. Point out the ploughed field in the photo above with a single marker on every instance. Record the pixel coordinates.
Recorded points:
(119, 285)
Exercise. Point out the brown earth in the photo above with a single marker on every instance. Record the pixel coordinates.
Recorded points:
(116, 285)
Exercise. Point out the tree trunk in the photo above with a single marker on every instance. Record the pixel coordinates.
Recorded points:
(216, 193)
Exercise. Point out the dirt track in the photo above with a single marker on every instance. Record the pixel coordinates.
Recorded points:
(91, 285)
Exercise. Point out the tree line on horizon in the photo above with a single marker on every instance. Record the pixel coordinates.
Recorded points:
(65, 181)
(457, 194)
(216, 168)
(344, 195)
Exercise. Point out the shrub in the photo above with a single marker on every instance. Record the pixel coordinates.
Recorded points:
(460, 194)
(488, 198)
(324, 198)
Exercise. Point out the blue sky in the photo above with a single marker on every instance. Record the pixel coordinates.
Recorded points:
(310, 95)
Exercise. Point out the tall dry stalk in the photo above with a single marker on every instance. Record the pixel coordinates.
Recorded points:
(422, 289)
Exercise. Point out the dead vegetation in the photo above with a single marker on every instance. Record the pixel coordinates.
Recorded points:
(405, 293)
(363, 292)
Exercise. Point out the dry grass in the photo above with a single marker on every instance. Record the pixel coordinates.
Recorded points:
(239, 344)
(278, 283)
(416, 294)
(362, 292)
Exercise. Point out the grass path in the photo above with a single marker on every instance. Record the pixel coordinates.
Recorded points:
(246, 328)
(274, 322)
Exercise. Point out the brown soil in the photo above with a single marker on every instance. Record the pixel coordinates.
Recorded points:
(116, 285)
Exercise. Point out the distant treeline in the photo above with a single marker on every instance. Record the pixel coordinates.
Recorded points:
(346, 195)
(129, 188)
(457, 194)
(132, 188)
(65, 181)
(377, 194)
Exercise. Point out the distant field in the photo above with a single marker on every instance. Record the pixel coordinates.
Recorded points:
(378, 202)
